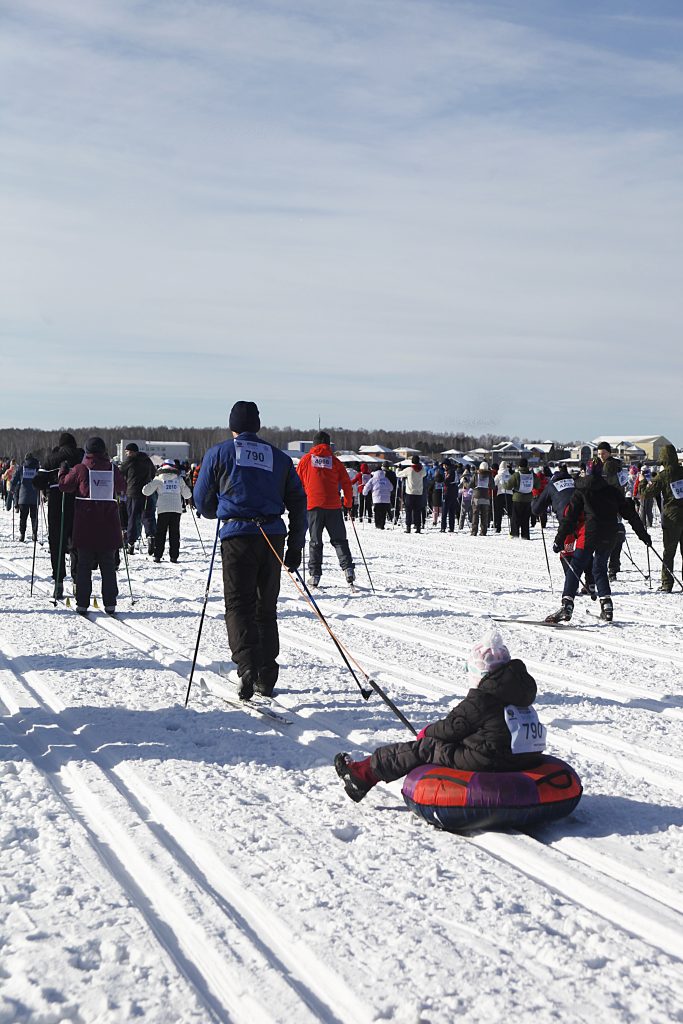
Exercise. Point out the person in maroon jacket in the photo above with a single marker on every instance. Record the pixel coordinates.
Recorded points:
(97, 528)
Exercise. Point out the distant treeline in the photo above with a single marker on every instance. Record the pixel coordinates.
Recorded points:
(16, 443)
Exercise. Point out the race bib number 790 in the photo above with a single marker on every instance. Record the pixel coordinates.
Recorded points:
(527, 735)
(253, 455)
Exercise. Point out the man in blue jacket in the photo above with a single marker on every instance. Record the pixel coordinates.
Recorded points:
(247, 484)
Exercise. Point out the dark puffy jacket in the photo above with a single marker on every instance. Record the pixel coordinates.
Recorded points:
(672, 507)
(242, 494)
(601, 505)
(138, 469)
(557, 493)
(96, 523)
(476, 726)
(66, 451)
(22, 482)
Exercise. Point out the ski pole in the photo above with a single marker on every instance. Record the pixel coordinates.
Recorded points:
(60, 582)
(125, 553)
(362, 555)
(547, 560)
(33, 564)
(201, 621)
(630, 558)
(43, 525)
(197, 526)
(649, 573)
(346, 655)
(674, 578)
(14, 508)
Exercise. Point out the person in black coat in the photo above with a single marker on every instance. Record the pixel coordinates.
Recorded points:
(474, 736)
(138, 469)
(600, 505)
(60, 508)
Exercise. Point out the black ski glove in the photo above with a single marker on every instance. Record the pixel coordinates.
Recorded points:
(647, 540)
(292, 558)
(557, 547)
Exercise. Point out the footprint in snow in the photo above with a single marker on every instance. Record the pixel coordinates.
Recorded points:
(347, 834)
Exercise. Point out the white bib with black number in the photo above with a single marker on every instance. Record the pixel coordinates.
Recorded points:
(563, 485)
(101, 484)
(677, 489)
(527, 735)
(253, 455)
(321, 461)
(526, 483)
(172, 486)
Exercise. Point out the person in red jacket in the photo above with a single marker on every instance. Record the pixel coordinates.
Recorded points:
(324, 477)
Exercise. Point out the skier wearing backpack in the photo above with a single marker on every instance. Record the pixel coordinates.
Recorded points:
(474, 736)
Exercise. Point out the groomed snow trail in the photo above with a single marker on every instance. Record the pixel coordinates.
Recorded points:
(208, 865)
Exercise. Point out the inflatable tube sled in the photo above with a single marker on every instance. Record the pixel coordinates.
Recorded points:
(456, 800)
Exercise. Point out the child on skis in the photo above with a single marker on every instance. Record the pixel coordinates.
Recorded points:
(474, 736)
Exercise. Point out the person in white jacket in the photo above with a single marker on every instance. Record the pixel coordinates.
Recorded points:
(501, 502)
(380, 487)
(414, 476)
(170, 487)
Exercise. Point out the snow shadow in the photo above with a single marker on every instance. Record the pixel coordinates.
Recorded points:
(601, 815)
(114, 735)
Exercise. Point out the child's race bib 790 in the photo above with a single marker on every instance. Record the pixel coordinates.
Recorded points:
(254, 455)
(527, 735)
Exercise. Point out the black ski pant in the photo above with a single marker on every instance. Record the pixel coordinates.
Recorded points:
(413, 504)
(381, 509)
(24, 511)
(449, 513)
(672, 536)
(251, 584)
(521, 514)
(480, 518)
(167, 522)
(501, 504)
(365, 506)
(615, 553)
(395, 760)
(141, 513)
(87, 560)
(55, 504)
(332, 520)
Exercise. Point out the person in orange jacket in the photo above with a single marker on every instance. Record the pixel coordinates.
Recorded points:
(324, 477)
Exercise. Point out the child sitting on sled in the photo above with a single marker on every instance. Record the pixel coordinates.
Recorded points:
(474, 736)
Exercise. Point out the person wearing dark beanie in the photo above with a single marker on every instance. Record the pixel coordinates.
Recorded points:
(521, 483)
(95, 446)
(322, 437)
(244, 418)
(247, 484)
(60, 508)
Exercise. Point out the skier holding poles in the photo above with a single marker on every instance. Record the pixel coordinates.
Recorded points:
(247, 484)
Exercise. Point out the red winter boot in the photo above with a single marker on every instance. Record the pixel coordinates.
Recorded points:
(357, 776)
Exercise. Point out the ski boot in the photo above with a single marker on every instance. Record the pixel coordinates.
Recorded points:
(350, 577)
(315, 582)
(357, 776)
(564, 613)
(606, 609)
(612, 576)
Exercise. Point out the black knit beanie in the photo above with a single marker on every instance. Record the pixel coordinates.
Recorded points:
(244, 418)
(95, 446)
(322, 437)
(67, 439)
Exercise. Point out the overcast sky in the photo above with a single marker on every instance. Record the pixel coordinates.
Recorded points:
(446, 215)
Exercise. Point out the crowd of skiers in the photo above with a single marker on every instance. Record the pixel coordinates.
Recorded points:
(94, 508)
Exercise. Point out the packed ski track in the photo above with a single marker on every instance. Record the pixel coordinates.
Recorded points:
(204, 864)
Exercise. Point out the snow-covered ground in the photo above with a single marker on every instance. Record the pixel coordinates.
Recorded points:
(165, 864)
